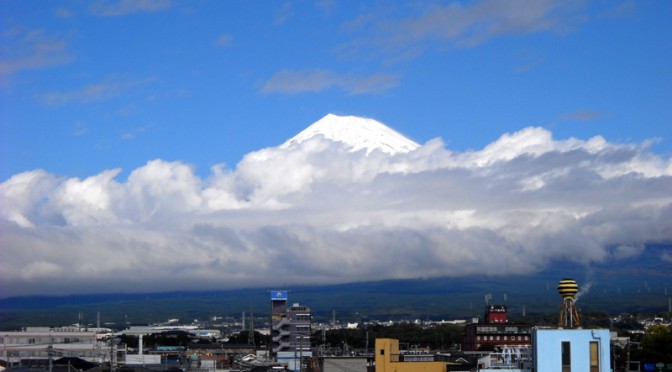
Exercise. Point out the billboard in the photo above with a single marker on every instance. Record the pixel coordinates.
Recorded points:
(279, 295)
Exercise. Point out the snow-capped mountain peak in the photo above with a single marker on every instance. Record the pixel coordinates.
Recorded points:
(356, 132)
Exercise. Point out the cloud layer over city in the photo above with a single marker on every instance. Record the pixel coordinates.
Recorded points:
(317, 213)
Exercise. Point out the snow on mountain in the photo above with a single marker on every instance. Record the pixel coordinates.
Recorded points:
(357, 133)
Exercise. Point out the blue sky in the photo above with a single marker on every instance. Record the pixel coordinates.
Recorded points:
(139, 140)
(88, 86)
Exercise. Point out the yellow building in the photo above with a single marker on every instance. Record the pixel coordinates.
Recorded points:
(387, 359)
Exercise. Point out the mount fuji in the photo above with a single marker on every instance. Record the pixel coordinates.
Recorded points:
(357, 133)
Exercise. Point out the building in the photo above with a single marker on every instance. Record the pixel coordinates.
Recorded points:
(571, 350)
(299, 327)
(290, 331)
(279, 323)
(45, 342)
(495, 332)
(389, 359)
(550, 350)
(340, 364)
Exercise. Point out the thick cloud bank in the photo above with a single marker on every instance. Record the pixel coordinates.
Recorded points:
(316, 212)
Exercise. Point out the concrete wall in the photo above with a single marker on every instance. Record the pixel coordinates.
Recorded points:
(341, 364)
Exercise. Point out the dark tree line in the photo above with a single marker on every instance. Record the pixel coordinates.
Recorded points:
(172, 338)
(443, 336)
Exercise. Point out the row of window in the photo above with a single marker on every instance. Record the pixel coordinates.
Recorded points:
(303, 328)
(500, 329)
(499, 338)
(44, 340)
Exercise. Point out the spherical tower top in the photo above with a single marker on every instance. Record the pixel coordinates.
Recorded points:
(567, 288)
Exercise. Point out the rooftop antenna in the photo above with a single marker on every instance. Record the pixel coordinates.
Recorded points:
(569, 316)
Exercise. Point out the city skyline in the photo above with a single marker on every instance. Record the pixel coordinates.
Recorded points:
(141, 141)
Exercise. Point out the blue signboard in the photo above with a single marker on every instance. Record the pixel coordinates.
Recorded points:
(279, 295)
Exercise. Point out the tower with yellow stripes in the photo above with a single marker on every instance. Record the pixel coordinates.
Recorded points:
(569, 316)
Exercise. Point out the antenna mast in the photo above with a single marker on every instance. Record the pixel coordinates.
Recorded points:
(250, 338)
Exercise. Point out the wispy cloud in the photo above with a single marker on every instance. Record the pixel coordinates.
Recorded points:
(582, 115)
(64, 13)
(284, 13)
(327, 6)
(224, 40)
(623, 9)
(108, 89)
(131, 135)
(107, 8)
(333, 215)
(24, 50)
(317, 80)
(456, 24)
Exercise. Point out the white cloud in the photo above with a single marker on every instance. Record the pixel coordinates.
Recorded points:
(317, 212)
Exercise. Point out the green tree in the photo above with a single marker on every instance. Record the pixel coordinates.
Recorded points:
(657, 345)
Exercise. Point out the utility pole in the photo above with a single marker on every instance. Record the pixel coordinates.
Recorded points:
(367, 342)
(50, 354)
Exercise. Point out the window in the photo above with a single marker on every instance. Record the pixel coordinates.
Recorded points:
(382, 351)
(566, 357)
(594, 356)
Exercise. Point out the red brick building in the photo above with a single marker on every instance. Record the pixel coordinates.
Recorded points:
(495, 331)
